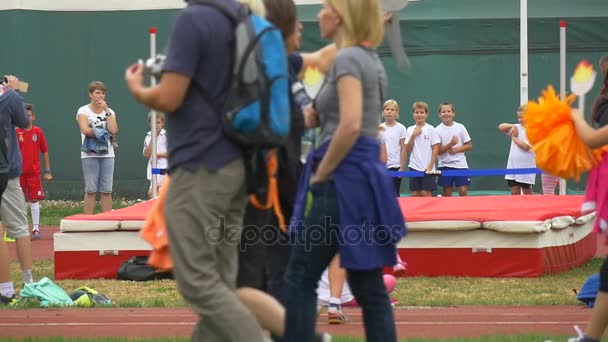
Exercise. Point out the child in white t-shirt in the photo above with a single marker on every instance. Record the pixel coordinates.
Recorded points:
(423, 143)
(394, 134)
(520, 155)
(455, 141)
(161, 150)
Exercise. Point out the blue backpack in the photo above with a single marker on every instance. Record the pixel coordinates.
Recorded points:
(257, 111)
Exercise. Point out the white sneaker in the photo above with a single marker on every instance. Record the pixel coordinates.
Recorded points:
(580, 336)
(335, 315)
(322, 337)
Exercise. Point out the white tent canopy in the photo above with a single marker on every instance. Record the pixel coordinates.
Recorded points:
(106, 5)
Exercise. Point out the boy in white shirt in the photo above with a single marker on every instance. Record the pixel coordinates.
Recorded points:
(455, 141)
(393, 135)
(520, 155)
(423, 143)
(161, 150)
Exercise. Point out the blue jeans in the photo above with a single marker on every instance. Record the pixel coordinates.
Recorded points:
(315, 246)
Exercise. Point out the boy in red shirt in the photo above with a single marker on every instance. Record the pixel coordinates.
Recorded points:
(32, 142)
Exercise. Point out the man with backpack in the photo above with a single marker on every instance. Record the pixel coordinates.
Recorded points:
(206, 200)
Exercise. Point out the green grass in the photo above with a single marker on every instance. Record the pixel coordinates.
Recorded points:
(515, 338)
(548, 290)
(413, 291)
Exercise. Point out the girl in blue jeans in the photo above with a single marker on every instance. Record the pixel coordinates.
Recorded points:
(352, 209)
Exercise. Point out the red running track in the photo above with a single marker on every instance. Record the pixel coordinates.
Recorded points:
(443, 322)
(411, 322)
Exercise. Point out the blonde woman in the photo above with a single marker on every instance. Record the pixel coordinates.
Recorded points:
(354, 210)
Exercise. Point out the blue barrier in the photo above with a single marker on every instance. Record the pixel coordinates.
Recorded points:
(468, 173)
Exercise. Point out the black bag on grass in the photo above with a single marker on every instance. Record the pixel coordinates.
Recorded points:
(137, 269)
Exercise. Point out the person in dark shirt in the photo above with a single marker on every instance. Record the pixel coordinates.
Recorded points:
(12, 113)
(206, 200)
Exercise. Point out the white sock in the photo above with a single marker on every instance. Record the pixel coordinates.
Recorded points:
(28, 277)
(333, 301)
(7, 289)
(35, 207)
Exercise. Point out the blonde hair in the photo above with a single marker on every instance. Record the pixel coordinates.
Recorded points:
(422, 105)
(522, 108)
(362, 21)
(391, 102)
(159, 115)
(256, 6)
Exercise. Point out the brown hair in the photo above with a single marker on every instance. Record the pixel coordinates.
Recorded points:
(447, 104)
(283, 15)
(422, 105)
(96, 85)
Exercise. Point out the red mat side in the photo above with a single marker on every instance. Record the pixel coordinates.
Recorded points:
(90, 265)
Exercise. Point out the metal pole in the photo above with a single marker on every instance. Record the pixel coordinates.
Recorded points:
(523, 50)
(562, 83)
(153, 178)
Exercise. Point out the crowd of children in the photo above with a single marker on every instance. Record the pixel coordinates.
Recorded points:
(444, 147)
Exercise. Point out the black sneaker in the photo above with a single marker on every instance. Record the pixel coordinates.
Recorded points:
(7, 300)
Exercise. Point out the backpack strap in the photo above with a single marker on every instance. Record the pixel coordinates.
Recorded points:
(220, 6)
(272, 199)
(234, 18)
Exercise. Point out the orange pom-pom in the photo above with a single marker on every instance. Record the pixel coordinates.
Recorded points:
(550, 129)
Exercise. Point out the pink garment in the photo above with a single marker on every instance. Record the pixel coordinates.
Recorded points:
(549, 183)
(596, 196)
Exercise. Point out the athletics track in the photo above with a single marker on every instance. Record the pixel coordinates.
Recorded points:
(435, 322)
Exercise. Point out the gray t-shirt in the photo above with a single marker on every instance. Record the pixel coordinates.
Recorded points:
(363, 64)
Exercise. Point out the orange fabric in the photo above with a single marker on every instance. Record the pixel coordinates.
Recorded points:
(272, 166)
(154, 231)
(558, 148)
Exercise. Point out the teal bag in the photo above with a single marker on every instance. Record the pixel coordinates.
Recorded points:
(47, 293)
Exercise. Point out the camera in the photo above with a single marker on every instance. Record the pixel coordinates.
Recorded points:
(153, 66)
(21, 86)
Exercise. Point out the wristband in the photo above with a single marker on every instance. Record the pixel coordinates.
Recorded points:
(47, 171)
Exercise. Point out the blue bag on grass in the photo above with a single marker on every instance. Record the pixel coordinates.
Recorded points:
(589, 290)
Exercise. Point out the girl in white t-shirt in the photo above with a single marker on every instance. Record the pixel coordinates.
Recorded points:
(394, 135)
(520, 155)
(161, 151)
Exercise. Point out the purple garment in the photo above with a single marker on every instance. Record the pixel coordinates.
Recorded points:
(371, 221)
